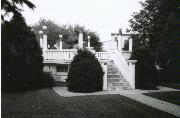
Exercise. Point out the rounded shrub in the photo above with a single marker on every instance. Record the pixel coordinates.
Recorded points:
(146, 73)
(85, 73)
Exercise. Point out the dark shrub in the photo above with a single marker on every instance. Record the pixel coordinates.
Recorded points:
(85, 74)
(146, 74)
(22, 61)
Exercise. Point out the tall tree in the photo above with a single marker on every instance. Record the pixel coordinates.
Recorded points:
(70, 34)
(149, 22)
(168, 49)
(156, 28)
(21, 54)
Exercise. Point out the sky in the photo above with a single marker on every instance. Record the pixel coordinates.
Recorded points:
(103, 16)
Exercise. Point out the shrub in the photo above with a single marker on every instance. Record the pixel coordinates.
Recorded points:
(146, 73)
(43, 80)
(22, 61)
(85, 73)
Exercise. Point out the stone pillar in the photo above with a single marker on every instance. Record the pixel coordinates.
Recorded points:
(104, 66)
(119, 44)
(41, 39)
(80, 40)
(44, 42)
(132, 72)
(45, 38)
(130, 44)
(60, 42)
(89, 41)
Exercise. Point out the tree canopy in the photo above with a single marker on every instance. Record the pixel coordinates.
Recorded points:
(70, 34)
(13, 6)
(156, 28)
(149, 22)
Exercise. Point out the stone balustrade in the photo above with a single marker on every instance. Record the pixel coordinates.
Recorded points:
(68, 54)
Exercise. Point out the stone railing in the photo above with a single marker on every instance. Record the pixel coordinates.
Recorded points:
(103, 55)
(68, 54)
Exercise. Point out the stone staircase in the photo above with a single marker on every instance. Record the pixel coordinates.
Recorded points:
(60, 77)
(115, 80)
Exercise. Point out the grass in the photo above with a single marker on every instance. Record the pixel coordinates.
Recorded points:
(45, 103)
(171, 85)
(172, 97)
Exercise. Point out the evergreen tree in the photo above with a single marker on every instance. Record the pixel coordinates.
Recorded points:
(85, 73)
(21, 54)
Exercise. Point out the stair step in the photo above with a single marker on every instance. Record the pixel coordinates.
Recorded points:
(113, 80)
(114, 76)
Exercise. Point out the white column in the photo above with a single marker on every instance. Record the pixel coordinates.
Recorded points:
(60, 42)
(45, 38)
(132, 72)
(104, 66)
(130, 44)
(119, 44)
(89, 41)
(41, 39)
(44, 42)
(80, 40)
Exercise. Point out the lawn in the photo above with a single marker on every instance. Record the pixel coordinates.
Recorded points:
(172, 97)
(171, 85)
(45, 103)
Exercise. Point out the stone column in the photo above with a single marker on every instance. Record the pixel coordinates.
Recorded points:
(89, 41)
(80, 40)
(41, 39)
(60, 42)
(104, 66)
(119, 44)
(45, 38)
(130, 44)
(132, 72)
(44, 42)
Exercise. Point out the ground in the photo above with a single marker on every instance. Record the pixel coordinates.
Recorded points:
(47, 104)
(171, 97)
(171, 85)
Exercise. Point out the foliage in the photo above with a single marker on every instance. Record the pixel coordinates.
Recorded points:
(151, 29)
(146, 74)
(150, 21)
(22, 60)
(70, 34)
(168, 49)
(85, 74)
(13, 6)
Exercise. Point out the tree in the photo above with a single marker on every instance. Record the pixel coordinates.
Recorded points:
(70, 34)
(150, 21)
(152, 31)
(168, 49)
(21, 54)
(13, 6)
(22, 61)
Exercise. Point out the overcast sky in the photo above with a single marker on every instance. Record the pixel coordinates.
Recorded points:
(103, 16)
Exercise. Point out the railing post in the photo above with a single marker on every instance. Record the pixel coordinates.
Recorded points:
(132, 72)
(60, 42)
(130, 44)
